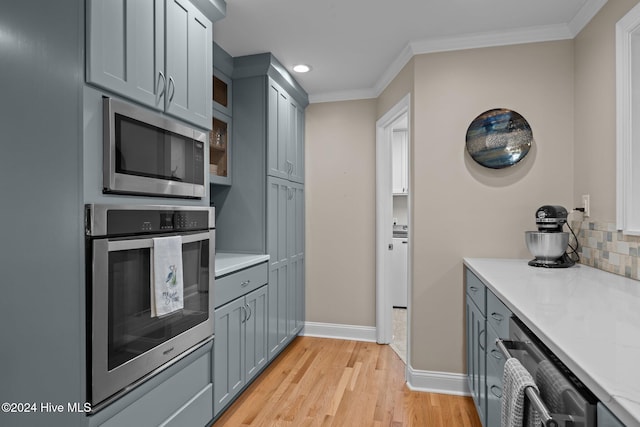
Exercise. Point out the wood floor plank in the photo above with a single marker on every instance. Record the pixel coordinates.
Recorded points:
(319, 382)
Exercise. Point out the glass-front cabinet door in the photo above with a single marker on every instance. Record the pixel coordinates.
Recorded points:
(220, 137)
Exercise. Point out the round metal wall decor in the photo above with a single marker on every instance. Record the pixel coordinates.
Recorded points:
(499, 138)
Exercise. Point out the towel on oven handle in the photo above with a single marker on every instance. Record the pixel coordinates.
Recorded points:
(167, 288)
(515, 381)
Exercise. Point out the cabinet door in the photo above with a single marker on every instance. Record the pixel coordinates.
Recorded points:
(228, 348)
(295, 248)
(256, 332)
(476, 357)
(125, 48)
(277, 131)
(220, 149)
(400, 162)
(297, 143)
(277, 220)
(188, 63)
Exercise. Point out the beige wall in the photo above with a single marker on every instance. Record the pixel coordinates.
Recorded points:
(595, 109)
(461, 209)
(340, 212)
(565, 89)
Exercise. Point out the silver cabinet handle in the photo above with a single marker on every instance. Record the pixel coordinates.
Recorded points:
(244, 314)
(245, 283)
(164, 84)
(496, 391)
(496, 354)
(172, 83)
(497, 317)
(250, 312)
(480, 340)
(473, 288)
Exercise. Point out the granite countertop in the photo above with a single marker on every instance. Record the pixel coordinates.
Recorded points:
(227, 263)
(589, 318)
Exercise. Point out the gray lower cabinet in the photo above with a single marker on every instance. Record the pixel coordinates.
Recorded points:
(487, 319)
(497, 327)
(476, 360)
(606, 418)
(285, 245)
(155, 52)
(240, 344)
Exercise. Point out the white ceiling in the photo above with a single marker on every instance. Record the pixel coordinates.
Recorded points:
(356, 47)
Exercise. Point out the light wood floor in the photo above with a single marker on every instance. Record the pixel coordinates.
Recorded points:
(326, 382)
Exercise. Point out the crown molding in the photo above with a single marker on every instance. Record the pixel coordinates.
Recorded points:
(585, 15)
(468, 41)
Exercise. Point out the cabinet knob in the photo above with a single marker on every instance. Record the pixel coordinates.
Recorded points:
(245, 283)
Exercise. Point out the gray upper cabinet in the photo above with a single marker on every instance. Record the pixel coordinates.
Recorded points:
(285, 140)
(155, 52)
(188, 63)
(221, 141)
(125, 48)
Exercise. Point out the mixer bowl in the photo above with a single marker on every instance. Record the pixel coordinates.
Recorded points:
(546, 246)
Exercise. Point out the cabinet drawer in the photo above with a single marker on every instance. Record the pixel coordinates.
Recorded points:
(234, 285)
(498, 315)
(476, 290)
(495, 358)
(494, 401)
(174, 395)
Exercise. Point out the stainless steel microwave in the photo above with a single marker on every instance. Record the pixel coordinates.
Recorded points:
(151, 154)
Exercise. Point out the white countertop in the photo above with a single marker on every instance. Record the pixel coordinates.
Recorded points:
(229, 262)
(589, 318)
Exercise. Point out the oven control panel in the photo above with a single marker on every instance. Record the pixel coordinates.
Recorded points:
(117, 221)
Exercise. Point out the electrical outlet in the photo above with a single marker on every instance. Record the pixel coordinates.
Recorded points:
(586, 200)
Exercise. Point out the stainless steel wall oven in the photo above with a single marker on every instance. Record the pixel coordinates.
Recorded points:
(127, 341)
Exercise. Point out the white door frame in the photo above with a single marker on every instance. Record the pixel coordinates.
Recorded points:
(384, 220)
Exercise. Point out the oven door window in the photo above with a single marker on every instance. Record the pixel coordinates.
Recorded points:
(131, 329)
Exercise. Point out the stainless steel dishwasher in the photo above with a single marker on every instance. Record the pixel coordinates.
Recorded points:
(563, 400)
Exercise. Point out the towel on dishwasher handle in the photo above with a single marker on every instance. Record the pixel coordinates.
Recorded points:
(552, 385)
(167, 288)
(515, 381)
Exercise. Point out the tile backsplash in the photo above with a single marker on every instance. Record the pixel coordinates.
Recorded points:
(603, 247)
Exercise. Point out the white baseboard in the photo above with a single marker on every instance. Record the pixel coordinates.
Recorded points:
(428, 381)
(437, 382)
(341, 332)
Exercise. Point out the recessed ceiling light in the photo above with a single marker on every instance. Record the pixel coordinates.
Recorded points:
(301, 68)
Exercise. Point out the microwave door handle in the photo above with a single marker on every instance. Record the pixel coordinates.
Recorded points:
(124, 245)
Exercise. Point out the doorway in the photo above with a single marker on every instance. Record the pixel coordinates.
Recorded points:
(393, 201)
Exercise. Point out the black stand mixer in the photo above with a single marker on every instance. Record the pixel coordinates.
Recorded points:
(549, 244)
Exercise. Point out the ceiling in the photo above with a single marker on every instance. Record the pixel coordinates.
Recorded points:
(356, 47)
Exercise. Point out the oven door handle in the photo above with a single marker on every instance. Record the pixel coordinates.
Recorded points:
(545, 415)
(125, 245)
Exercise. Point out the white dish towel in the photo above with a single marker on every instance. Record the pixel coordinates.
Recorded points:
(167, 288)
(515, 381)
